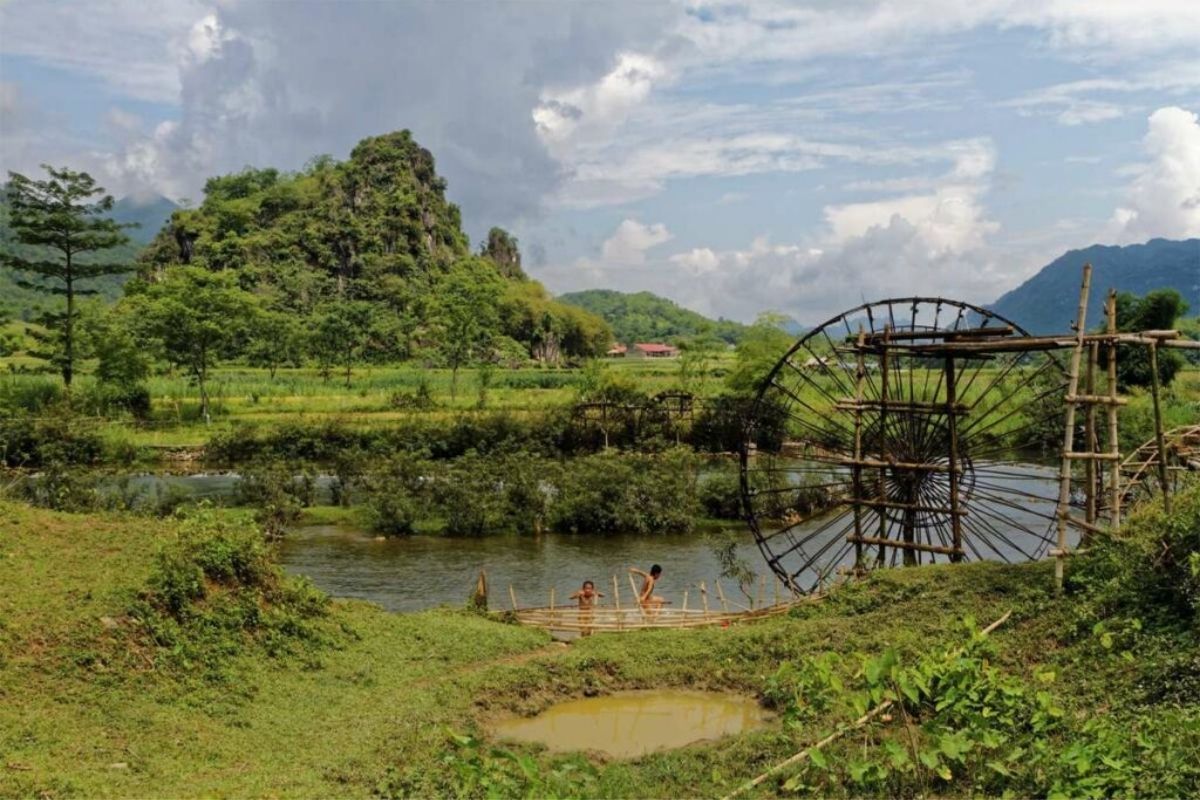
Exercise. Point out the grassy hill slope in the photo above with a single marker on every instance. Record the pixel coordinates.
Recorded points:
(646, 317)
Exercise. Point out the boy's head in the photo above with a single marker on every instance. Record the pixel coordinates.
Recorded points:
(589, 585)
(655, 571)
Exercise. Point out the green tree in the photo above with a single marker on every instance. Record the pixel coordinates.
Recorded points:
(63, 221)
(195, 317)
(467, 315)
(1157, 310)
(761, 346)
(277, 338)
(340, 335)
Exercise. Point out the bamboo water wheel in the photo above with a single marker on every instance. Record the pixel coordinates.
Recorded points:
(903, 432)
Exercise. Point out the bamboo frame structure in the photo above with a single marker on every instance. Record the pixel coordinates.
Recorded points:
(612, 619)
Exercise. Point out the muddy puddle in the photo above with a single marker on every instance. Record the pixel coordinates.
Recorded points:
(631, 724)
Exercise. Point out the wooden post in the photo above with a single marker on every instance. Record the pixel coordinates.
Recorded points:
(704, 597)
(480, 599)
(775, 584)
(512, 594)
(685, 592)
(881, 486)
(1064, 475)
(1158, 428)
(1114, 439)
(762, 589)
(616, 595)
(1091, 467)
(856, 470)
(952, 424)
(551, 599)
(721, 594)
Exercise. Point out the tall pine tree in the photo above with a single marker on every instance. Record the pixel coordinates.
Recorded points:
(61, 220)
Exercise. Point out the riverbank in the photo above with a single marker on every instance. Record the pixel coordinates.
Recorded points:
(89, 707)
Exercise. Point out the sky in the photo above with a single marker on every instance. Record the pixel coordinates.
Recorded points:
(737, 157)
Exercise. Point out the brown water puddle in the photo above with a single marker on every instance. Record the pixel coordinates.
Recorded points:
(631, 724)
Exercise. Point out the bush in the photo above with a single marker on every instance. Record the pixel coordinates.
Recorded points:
(215, 588)
(104, 399)
(53, 437)
(627, 494)
(1151, 567)
(398, 495)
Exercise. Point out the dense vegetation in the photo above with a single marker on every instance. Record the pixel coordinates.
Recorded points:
(369, 256)
(646, 317)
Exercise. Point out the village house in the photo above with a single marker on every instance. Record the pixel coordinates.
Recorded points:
(653, 350)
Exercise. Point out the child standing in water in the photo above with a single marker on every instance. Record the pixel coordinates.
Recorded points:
(586, 596)
(647, 599)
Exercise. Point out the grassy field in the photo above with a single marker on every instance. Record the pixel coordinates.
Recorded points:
(88, 709)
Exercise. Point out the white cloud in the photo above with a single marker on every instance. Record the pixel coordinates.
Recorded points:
(128, 45)
(631, 240)
(697, 261)
(1163, 198)
(948, 219)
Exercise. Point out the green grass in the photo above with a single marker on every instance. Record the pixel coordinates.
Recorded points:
(80, 716)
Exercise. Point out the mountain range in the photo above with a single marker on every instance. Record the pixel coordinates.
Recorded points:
(1048, 301)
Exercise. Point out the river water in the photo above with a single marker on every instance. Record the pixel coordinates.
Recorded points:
(417, 572)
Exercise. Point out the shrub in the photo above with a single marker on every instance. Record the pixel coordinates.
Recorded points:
(1150, 567)
(54, 436)
(215, 588)
(398, 494)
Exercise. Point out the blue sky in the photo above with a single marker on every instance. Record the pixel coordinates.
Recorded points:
(737, 157)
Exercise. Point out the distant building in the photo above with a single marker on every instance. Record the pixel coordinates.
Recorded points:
(654, 350)
(617, 351)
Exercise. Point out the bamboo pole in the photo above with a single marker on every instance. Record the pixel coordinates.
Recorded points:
(762, 589)
(704, 597)
(721, 594)
(1090, 432)
(685, 593)
(952, 424)
(512, 594)
(1158, 430)
(1064, 488)
(881, 478)
(637, 599)
(856, 471)
(552, 599)
(1114, 443)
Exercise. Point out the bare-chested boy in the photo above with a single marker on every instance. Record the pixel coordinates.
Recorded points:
(647, 599)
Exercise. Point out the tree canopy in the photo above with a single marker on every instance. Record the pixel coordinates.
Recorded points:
(378, 230)
(63, 223)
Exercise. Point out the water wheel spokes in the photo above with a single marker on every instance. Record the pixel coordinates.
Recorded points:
(873, 443)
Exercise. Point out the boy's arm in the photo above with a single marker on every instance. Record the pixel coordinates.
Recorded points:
(637, 571)
(574, 596)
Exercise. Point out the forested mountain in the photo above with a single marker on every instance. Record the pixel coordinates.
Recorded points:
(1047, 302)
(375, 231)
(646, 317)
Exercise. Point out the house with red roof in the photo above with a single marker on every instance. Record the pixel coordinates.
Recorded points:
(653, 350)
